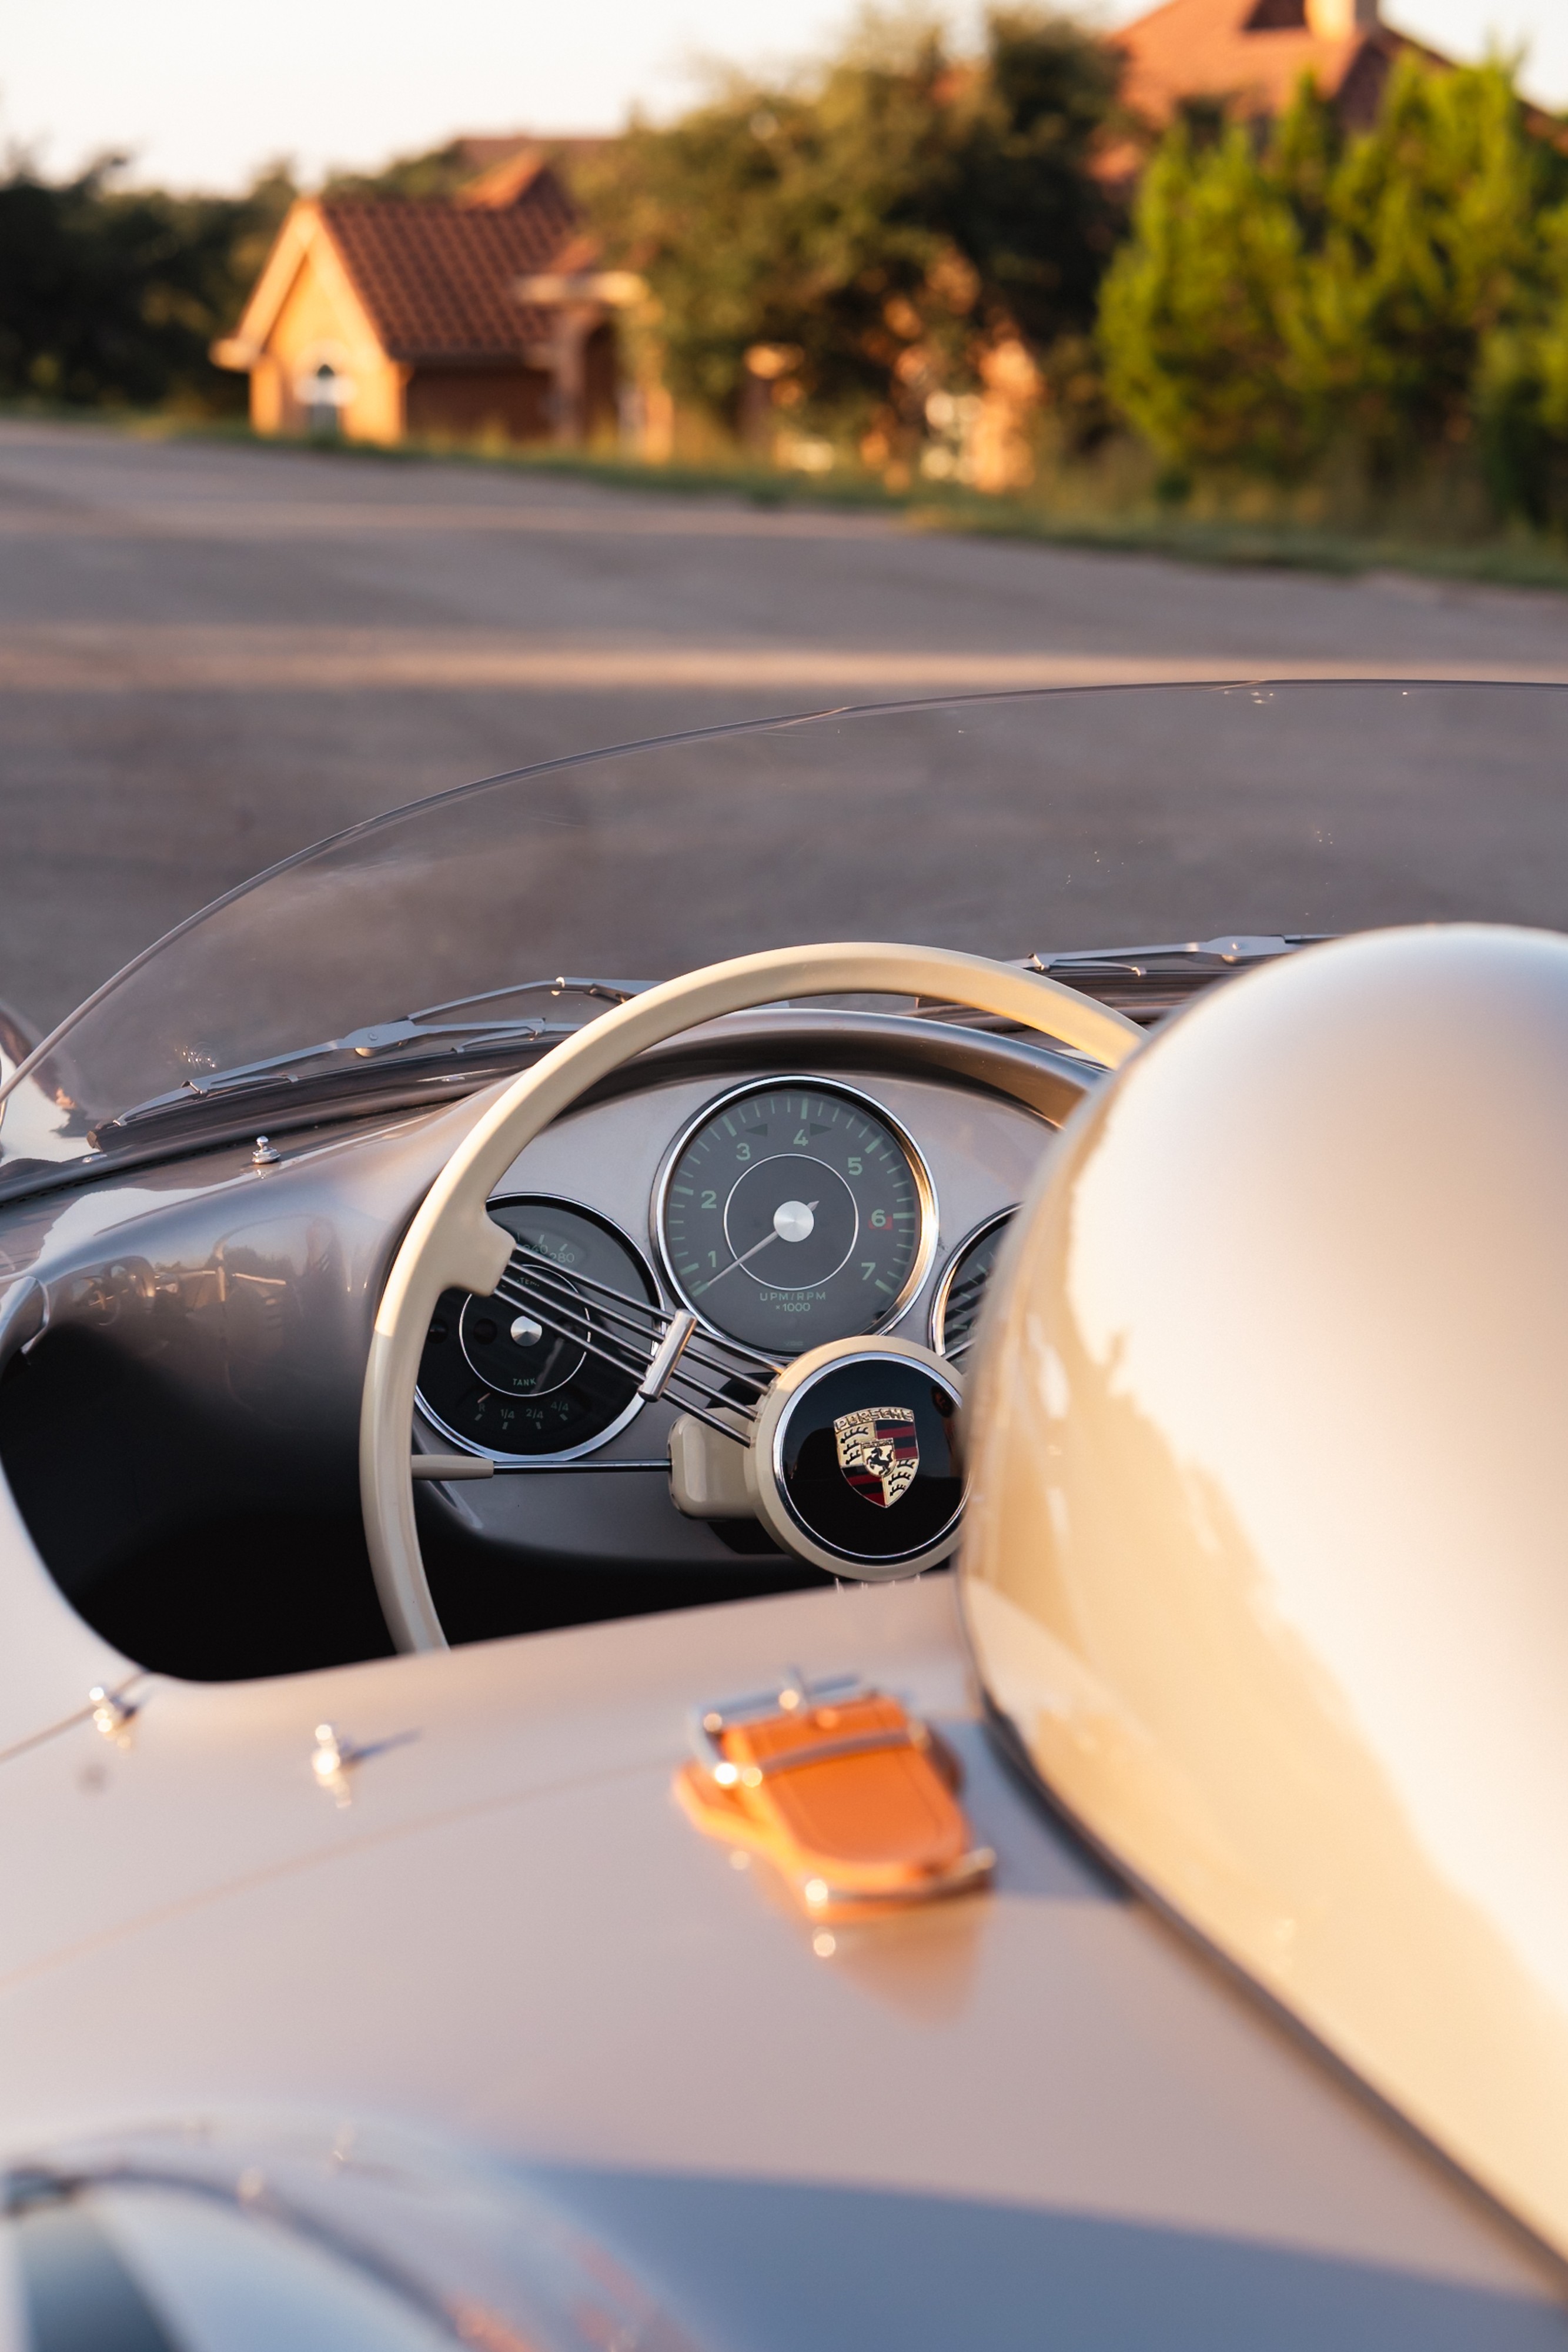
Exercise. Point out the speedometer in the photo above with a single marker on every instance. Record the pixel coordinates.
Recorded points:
(792, 1214)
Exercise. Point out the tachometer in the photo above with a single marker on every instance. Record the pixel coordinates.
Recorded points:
(792, 1214)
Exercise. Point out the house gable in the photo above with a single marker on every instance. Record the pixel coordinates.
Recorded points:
(1252, 56)
(380, 315)
(322, 324)
(1252, 53)
(302, 254)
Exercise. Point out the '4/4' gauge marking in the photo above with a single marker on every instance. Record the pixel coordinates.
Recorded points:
(795, 1213)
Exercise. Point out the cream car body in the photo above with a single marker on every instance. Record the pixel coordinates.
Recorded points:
(448, 1894)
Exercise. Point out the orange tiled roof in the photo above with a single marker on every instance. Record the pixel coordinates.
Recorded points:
(502, 184)
(435, 277)
(483, 153)
(1191, 49)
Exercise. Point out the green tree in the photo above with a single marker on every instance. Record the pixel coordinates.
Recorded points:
(434, 172)
(1328, 290)
(872, 226)
(1522, 399)
(1025, 206)
(1202, 319)
(111, 296)
(1431, 245)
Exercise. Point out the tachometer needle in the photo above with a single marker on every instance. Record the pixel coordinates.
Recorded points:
(777, 1233)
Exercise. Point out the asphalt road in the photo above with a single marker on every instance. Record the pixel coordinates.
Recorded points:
(210, 656)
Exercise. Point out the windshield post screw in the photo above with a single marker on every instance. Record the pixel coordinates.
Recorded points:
(264, 1155)
(112, 1714)
(331, 1761)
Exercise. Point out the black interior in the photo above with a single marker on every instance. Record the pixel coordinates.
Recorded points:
(212, 1552)
(180, 1399)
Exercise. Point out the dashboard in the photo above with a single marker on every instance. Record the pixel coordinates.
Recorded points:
(780, 1213)
(181, 1433)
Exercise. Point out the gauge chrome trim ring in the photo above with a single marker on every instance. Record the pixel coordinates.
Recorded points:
(939, 1296)
(590, 1445)
(924, 1193)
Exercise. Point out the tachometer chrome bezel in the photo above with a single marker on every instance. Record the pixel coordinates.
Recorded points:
(925, 1192)
(591, 1444)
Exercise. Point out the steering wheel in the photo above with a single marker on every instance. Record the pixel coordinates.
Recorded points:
(454, 1244)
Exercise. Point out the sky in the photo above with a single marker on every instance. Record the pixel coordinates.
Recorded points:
(202, 93)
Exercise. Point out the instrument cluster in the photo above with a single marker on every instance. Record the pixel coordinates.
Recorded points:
(785, 1214)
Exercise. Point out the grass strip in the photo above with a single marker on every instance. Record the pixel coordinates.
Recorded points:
(1509, 558)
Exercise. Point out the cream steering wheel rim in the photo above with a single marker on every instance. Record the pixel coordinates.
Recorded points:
(454, 1244)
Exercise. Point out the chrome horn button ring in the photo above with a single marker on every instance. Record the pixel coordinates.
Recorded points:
(856, 1458)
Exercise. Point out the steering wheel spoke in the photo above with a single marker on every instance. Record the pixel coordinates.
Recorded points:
(666, 1354)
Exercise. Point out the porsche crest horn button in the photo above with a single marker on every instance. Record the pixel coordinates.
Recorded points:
(879, 1452)
(856, 1462)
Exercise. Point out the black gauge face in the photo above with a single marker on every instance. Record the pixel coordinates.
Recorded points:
(493, 1376)
(792, 1215)
(963, 1291)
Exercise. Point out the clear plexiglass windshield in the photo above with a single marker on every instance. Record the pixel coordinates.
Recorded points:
(1007, 826)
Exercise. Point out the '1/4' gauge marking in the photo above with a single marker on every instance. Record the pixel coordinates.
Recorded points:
(794, 1213)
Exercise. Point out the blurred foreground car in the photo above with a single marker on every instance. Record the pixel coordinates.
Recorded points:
(713, 1639)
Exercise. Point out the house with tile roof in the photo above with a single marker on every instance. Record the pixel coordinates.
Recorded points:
(1251, 55)
(565, 152)
(479, 316)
